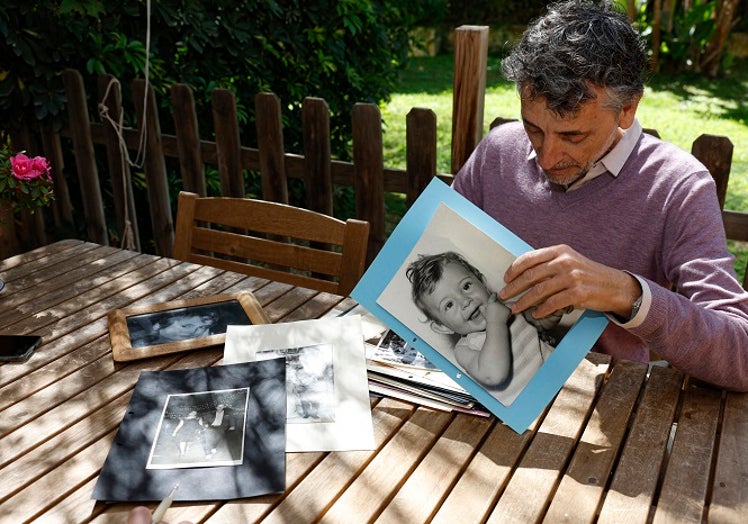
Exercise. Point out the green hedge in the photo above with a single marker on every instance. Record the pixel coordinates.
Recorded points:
(344, 51)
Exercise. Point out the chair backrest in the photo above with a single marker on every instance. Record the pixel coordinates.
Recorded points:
(271, 240)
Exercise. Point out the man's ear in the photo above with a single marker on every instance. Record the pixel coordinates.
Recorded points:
(628, 112)
(440, 328)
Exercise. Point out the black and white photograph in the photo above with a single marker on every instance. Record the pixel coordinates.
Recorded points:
(452, 287)
(392, 349)
(328, 404)
(436, 283)
(310, 382)
(201, 430)
(175, 325)
(217, 431)
(181, 325)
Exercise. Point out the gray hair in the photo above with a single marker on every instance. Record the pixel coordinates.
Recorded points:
(576, 45)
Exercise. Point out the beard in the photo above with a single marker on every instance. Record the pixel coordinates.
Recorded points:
(568, 178)
(566, 173)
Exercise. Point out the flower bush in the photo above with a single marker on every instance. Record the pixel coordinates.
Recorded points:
(25, 182)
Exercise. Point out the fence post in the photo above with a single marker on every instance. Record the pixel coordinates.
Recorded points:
(155, 168)
(110, 94)
(62, 208)
(368, 167)
(315, 116)
(270, 148)
(188, 139)
(471, 56)
(228, 144)
(715, 152)
(80, 127)
(420, 151)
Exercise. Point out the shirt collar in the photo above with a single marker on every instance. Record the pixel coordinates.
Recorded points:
(613, 161)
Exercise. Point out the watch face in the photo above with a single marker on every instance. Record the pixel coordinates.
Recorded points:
(635, 307)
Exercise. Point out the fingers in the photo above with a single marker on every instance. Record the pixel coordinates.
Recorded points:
(543, 275)
(558, 277)
(139, 515)
(528, 261)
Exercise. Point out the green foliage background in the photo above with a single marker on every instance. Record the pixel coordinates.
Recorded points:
(344, 51)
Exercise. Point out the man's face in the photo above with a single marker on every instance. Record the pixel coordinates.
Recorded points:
(457, 299)
(568, 146)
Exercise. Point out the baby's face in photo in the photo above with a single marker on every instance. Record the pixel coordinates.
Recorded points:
(186, 327)
(457, 299)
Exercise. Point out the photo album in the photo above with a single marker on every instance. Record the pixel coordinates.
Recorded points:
(434, 284)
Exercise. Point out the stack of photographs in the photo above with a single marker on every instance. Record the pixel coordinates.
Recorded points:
(395, 369)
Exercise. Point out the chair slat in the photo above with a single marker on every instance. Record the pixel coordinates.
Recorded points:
(261, 250)
(271, 240)
(271, 218)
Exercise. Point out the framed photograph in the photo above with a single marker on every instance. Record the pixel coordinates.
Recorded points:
(180, 325)
(434, 283)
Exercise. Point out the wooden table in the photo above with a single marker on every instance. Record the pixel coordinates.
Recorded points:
(617, 444)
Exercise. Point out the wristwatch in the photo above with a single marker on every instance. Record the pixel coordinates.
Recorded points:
(635, 307)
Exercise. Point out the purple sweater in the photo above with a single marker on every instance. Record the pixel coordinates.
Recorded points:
(659, 219)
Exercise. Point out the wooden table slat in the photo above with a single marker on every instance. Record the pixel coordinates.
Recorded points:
(372, 490)
(430, 483)
(487, 473)
(685, 485)
(632, 490)
(730, 492)
(61, 274)
(583, 484)
(26, 259)
(531, 487)
(38, 304)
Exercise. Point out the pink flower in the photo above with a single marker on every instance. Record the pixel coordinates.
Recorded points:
(25, 168)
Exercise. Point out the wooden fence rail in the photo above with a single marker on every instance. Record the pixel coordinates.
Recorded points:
(366, 173)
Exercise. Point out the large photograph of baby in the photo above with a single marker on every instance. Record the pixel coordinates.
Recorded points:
(445, 292)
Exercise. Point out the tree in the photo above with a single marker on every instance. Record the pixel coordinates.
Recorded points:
(690, 35)
(725, 20)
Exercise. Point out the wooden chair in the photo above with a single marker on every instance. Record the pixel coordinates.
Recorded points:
(271, 240)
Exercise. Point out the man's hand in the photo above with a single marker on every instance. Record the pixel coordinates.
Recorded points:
(556, 277)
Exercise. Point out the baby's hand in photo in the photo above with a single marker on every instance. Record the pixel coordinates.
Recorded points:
(495, 311)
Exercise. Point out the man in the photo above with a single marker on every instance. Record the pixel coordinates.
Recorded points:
(622, 222)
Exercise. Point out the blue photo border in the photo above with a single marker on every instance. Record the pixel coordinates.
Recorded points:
(549, 379)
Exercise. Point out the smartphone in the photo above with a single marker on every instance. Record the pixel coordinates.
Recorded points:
(18, 348)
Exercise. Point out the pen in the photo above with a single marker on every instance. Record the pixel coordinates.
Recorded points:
(158, 514)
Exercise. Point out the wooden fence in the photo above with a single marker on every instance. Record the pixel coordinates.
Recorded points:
(366, 173)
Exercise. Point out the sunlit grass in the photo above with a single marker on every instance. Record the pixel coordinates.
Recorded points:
(679, 108)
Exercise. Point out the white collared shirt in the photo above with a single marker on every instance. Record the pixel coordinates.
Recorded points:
(613, 161)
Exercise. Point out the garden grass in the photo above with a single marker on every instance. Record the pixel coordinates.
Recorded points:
(679, 107)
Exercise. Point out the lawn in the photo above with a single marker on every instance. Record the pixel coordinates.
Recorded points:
(680, 108)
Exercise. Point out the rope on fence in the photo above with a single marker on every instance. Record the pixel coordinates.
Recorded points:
(128, 240)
